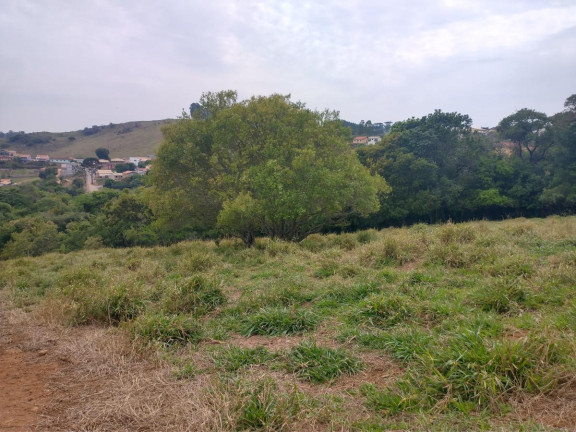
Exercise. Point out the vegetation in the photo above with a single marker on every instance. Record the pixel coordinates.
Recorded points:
(264, 166)
(270, 167)
(449, 327)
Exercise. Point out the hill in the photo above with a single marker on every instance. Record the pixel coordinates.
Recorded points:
(447, 327)
(139, 138)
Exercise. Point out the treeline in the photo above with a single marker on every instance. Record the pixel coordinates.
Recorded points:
(440, 169)
(269, 166)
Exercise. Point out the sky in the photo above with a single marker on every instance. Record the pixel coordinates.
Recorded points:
(68, 64)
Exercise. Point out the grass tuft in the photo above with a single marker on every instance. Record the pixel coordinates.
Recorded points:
(280, 321)
(317, 364)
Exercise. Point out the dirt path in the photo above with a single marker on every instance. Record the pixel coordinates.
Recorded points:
(26, 370)
(24, 377)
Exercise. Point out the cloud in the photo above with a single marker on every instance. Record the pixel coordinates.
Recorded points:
(70, 64)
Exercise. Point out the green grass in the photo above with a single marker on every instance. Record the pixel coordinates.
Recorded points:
(317, 364)
(279, 321)
(233, 358)
(464, 320)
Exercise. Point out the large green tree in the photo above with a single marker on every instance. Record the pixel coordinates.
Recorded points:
(266, 165)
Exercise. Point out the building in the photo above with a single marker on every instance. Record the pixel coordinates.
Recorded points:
(373, 140)
(360, 140)
(108, 174)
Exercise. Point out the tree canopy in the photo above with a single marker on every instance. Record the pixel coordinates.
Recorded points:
(102, 153)
(266, 165)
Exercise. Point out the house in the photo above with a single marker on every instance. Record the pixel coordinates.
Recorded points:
(373, 140)
(360, 140)
(116, 161)
(104, 164)
(137, 159)
(42, 158)
(23, 157)
(108, 174)
(66, 169)
(5, 182)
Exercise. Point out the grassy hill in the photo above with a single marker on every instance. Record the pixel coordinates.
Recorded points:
(453, 327)
(140, 138)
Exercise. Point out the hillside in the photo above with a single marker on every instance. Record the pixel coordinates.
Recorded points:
(447, 327)
(140, 138)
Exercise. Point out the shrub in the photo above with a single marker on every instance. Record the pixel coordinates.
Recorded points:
(318, 364)
(278, 321)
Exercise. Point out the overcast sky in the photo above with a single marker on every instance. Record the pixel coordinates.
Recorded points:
(67, 64)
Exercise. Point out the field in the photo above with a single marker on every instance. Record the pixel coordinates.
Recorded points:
(140, 138)
(449, 327)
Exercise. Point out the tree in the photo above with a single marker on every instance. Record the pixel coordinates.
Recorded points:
(91, 163)
(120, 168)
(570, 103)
(125, 221)
(266, 165)
(528, 129)
(102, 153)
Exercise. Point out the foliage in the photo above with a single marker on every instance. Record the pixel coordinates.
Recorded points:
(102, 153)
(262, 166)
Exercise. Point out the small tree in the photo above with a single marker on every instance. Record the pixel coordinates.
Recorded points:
(102, 153)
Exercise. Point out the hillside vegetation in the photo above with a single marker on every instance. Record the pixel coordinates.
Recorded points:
(448, 327)
(140, 138)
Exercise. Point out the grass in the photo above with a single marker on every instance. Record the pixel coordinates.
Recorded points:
(311, 362)
(123, 140)
(451, 325)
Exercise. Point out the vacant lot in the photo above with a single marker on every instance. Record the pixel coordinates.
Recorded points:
(452, 327)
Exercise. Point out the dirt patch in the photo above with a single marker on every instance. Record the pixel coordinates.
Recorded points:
(24, 377)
